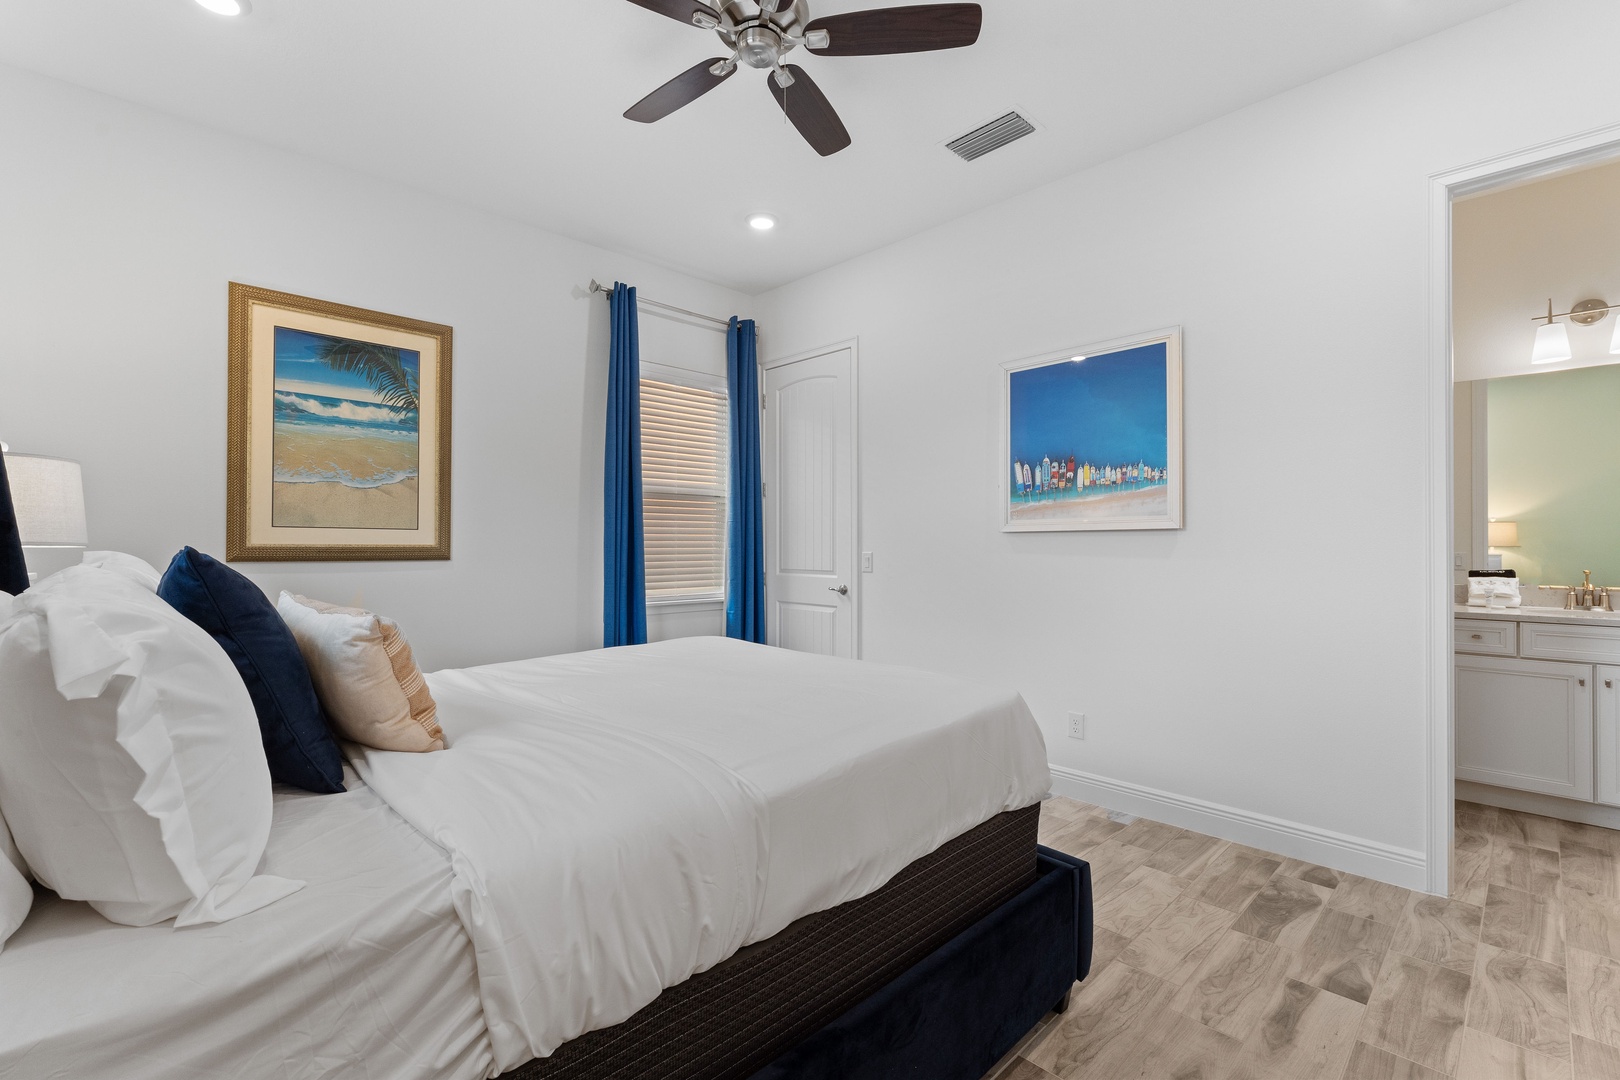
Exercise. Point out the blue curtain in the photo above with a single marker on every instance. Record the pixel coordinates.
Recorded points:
(13, 572)
(624, 595)
(745, 525)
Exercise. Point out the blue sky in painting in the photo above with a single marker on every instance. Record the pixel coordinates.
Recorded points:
(1107, 409)
(298, 370)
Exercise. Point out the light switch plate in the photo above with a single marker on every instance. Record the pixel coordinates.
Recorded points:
(866, 562)
(1457, 561)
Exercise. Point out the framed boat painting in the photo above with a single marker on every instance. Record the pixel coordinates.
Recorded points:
(338, 434)
(1092, 437)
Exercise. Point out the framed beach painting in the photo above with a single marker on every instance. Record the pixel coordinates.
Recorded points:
(338, 440)
(1092, 437)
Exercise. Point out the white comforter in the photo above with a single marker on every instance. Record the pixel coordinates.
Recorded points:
(621, 820)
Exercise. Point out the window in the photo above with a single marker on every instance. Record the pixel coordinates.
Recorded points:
(683, 479)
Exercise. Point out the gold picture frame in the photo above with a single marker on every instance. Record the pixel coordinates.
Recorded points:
(337, 433)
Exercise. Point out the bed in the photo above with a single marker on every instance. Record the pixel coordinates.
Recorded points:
(696, 858)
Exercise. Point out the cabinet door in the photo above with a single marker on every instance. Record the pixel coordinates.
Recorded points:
(1525, 724)
(1608, 735)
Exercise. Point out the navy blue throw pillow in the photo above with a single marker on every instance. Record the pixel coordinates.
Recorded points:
(297, 741)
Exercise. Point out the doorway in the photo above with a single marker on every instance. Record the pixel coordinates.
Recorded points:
(1515, 742)
(808, 465)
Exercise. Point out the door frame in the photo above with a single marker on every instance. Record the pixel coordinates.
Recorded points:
(857, 583)
(1521, 166)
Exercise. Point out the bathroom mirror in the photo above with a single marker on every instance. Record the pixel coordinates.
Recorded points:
(1543, 455)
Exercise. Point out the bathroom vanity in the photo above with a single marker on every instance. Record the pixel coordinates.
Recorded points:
(1538, 710)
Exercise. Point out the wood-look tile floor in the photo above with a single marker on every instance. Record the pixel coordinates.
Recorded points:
(1215, 961)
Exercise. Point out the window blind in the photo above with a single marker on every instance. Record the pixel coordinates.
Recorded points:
(683, 477)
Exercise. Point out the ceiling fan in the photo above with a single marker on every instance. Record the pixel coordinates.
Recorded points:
(760, 33)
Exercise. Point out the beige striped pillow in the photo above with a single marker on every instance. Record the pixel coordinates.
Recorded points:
(368, 683)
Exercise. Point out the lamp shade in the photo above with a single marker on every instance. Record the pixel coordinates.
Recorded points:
(1503, 533)
(1552, 344)
(48, 496)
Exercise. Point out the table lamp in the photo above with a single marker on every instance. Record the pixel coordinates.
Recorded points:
(47, 495)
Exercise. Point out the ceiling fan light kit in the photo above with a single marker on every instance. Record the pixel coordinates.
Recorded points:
(760, 33)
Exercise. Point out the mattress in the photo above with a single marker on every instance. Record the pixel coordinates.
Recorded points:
(365, 973)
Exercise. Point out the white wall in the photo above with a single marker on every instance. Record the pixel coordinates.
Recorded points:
(119, 229)
(1221, 663)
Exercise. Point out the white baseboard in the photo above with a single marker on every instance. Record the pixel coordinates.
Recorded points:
(1369, 858)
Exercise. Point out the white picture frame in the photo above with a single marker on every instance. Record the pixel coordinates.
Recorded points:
(1088, 438)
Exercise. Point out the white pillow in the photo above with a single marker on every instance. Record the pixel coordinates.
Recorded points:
(364, 674)
(16, 896)
(137, 570)
(132, 773)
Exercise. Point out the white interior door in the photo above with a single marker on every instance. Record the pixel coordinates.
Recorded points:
(809, 473)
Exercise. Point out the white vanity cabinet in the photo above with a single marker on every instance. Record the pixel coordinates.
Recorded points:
(1607, 687)
(1538, 704)
(1525, 724)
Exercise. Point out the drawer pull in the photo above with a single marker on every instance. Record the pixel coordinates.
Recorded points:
(1608, 684)
(1583, 682)
(1477, 637)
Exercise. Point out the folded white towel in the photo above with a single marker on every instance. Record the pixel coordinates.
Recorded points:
(1493, 592)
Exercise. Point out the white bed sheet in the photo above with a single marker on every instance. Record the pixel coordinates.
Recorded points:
(366, 973)
(620, 820)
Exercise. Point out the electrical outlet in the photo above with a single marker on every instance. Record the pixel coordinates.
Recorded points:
(866, 562)
(1077, 725)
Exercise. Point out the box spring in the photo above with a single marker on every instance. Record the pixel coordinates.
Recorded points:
(732, 1020)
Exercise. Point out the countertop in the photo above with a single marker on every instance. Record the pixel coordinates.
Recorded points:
(1539, 614)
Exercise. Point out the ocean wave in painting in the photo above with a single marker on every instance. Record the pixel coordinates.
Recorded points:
(315, 411)
(334, 473)
(337, 440)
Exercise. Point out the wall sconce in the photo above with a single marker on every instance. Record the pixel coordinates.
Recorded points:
(1552, 340)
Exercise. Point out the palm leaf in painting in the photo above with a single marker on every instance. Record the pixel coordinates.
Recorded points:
(379, 365)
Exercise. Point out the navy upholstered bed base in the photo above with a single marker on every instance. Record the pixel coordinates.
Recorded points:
(956, 1012)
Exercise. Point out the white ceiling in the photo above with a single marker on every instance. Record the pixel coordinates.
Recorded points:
(1514, 249)
(515, 105)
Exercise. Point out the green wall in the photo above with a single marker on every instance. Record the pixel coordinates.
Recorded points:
(1554, 467)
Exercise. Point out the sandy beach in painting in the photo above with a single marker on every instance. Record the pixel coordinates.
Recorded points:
(1153, 502)
(344, 478)
(392, 506)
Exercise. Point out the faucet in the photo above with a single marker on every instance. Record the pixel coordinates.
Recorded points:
(1586, 596)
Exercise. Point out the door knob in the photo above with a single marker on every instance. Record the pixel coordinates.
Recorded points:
(841, 590)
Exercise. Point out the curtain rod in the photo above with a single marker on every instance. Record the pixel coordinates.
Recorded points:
(598, 287)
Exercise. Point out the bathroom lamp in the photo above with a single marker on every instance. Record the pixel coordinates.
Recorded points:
(1502, 534)
(1552, 340)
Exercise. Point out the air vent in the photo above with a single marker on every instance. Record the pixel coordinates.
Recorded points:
(992, 136)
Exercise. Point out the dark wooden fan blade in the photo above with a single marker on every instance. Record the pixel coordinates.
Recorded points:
(683, 89)
(921, 28)
(679, 10)
(811, 112)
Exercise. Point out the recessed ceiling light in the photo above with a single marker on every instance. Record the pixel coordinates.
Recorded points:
(762, 222)
(227, 7)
